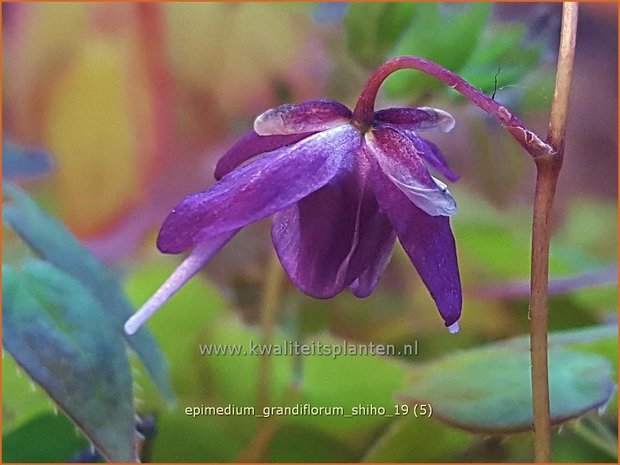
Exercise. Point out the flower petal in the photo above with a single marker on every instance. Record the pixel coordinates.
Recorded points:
(329, 238)
(399, 160)
(430, 153)
(250, 145)
(429, 243)
(380, 245)
(312, 115)
(184, 272)
(315, 238)
(417, 118)
(258, 189)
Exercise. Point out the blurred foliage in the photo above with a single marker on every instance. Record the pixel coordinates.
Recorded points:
(133, 102)
(57, 440)
(498, 398)
(62, 322)
(76, 356)
(375, 28)
(486, 54)
(50, 240)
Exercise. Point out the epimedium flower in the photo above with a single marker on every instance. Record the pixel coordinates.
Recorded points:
(341, 186)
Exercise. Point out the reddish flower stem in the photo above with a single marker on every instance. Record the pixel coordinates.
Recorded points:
(364, 110)
(547, 156)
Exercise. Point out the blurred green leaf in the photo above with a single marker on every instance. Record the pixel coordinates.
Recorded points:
(498, 242)
(298, 444)
(488, 389)
(446, 34)
(588, 228)
(19, 163)
(45, 438)
(224, 370)
(349, 382)
(572, 338)
(501, 52)
(22, 401)
(374, 28)
(406, 440)
(59, 334)
(181, 438)
(53, 242)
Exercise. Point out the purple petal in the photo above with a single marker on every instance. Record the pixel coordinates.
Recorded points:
(313, 115)
(250, 145)
(430, 153)
(316, 238)
(184, 272)
(399, 160)
(417, 118)
(329, 238)
(381, 250)
(429, 243)
(258, 189)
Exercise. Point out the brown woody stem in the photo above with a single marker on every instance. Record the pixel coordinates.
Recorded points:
(548, 169)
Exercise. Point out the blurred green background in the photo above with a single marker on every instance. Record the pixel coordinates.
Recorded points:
(134, 103)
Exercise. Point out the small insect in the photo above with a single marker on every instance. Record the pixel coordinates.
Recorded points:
(499, 70)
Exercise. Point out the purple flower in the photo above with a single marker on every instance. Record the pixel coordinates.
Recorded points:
(341, 190)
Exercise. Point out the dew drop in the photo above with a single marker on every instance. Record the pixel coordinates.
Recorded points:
(454, 328)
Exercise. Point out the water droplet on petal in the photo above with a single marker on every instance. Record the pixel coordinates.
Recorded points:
(454, 328)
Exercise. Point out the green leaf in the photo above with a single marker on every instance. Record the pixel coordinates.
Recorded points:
(22, 401)
(223, 370)
(498, 242)
(184, 439)
(374, 28)
(501, 49)
(488, 389)
(406, 440)
(53, 242)
(349, 382)
(59, 334)
(45, 438)
(572, 338)
(297, 444)
(344, 381)
(447, 34)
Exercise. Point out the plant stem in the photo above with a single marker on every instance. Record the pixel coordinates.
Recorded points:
(546, 181)
(363, 114)
(547, 156)
(269, 313)
(547, 171)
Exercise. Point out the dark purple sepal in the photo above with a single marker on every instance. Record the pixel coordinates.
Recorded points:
(251, 145)
(429, 243)
(258, 189)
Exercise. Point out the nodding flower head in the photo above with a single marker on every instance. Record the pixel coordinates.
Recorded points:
(341, 189)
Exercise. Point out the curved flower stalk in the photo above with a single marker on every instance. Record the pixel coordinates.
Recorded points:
(342, 188)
